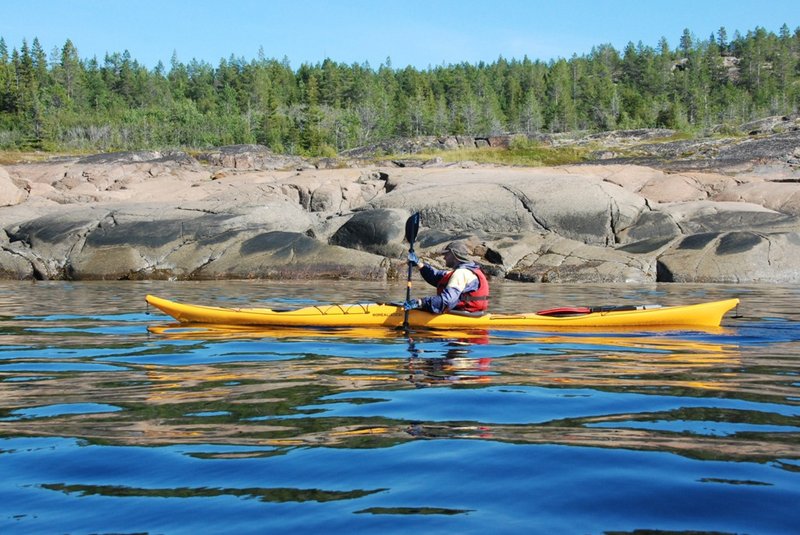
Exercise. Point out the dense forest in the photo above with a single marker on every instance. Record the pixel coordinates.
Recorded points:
(59, 101)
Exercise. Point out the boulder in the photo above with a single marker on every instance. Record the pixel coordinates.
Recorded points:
(115, 177)
(561, 260)
(324, 191)
(137, 243)
(179, 240)
(651, 224)
(583, 208)
(779, 196)
(379, 231)
(769, 125)
(732, 257)
(707, 216)
(250, 157)
(11, 191)
(659, 186)
(15, 266)
(48, 241)
(669, 220)
(279, 255)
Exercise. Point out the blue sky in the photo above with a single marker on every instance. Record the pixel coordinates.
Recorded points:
(410, 32)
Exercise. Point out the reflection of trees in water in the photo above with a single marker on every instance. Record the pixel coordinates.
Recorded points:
(275, 405)
(274, 495)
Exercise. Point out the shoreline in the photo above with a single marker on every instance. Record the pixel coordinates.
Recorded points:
(248, 214)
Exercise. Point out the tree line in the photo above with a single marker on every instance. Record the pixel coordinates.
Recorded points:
(59, 101)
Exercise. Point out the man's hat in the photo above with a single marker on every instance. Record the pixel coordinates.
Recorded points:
(459, 250)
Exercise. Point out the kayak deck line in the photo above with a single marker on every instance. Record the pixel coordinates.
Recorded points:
(707, 314)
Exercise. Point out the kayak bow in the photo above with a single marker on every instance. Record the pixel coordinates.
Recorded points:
(392, 315)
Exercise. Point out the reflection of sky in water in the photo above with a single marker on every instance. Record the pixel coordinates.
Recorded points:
(107, 427)
(518, 404)
(50, 411)
(58, 367)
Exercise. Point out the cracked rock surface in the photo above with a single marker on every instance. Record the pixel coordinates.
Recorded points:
(244, 213)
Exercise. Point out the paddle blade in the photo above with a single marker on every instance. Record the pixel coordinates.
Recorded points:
(412, 228)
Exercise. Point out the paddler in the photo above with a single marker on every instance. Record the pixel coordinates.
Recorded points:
(462, 287)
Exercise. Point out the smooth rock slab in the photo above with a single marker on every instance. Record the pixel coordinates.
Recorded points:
(732, 257)
(292, 255)
(378, 231)
(562, 260)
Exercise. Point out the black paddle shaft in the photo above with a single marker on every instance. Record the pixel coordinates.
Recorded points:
(412, 228)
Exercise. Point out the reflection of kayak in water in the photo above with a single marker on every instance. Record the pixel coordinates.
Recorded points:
(207, 331)
(630, 338)
(392, 315)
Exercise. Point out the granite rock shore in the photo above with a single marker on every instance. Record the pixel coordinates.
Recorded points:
(645, 209)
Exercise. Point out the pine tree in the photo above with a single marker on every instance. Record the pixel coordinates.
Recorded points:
(722, 39)
(6, 81)
(560, 113)
(530, 117)
(71, 70)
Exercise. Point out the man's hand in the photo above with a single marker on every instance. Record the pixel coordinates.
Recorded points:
(412, 304)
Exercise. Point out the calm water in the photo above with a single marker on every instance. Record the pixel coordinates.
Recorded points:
(106, 427)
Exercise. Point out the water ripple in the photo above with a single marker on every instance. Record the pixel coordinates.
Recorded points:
(124, 422)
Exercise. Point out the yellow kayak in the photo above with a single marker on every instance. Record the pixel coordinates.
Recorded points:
(392, 315)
